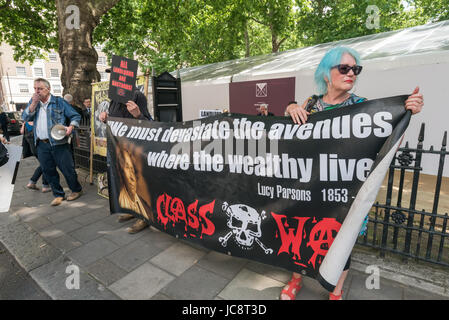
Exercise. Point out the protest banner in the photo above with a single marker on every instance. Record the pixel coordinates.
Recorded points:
(263, 188)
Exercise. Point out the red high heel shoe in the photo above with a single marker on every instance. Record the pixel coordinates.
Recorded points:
(335, 297)
(294, 285)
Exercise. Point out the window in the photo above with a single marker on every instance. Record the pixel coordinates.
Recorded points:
(56, 88)
(23, 87)
(38, 72)
(101, 61)
(53, 57)
(21, 71)
(104, 76)
(54, 73)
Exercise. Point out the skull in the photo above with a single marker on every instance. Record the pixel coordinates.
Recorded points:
(244, 222)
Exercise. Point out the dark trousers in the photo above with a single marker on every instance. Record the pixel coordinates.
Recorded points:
(37, 174)
(58, 156)
(5, 132)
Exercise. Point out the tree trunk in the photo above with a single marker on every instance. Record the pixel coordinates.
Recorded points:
(274, 42)
(78, 56)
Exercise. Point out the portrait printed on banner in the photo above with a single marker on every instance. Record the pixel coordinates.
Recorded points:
(133, 194)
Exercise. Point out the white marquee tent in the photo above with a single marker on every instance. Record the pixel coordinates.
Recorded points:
(394, 63)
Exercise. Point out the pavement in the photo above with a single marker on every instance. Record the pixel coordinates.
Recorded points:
(79, 251)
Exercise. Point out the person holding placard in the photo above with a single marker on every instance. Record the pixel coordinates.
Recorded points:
(137, 109)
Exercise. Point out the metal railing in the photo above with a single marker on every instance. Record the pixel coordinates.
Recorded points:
(82, 149)
(401, 228)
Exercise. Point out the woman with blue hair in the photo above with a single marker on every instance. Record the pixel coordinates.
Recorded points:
(335, 77)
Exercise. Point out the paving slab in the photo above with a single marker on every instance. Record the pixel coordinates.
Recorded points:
(91, 232)
(92, 251)
(250, 285)
(177, 258)
(142, 283)
(39, 224)
(29, 213)
(121, 237)
(59, 229)
(90, 217)
(311, 290)
(130, 256)
(387, 290)
(63, 215)
(273, 272)
(160, 296)
(195, 284)
(106, 272)
(222, 264)
(53, 278)
(65, 243)
(158, 238)
(416, 294)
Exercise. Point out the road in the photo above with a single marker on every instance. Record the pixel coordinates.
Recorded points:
(15, 283)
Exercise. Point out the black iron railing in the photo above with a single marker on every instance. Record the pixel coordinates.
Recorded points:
(81, 149)
(401, 228)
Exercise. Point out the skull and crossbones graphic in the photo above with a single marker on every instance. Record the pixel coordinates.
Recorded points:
(245, 224)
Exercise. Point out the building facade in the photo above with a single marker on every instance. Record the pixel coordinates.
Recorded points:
(17, 79)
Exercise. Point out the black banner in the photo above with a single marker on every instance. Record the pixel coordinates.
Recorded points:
(262, 188)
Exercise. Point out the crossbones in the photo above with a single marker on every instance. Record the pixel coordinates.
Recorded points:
(245, 224)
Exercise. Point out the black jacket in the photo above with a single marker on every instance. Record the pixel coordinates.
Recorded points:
(117, 109)
(3, 119)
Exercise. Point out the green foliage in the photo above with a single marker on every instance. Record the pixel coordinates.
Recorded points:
(169, 34)
(433, 10)
(28, 26)
(325, 21)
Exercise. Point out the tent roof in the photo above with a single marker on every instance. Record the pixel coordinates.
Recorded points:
(425, 39)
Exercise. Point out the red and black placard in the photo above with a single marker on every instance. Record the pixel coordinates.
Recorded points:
(122, 82)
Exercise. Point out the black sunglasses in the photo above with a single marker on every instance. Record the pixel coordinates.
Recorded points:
(344, 69)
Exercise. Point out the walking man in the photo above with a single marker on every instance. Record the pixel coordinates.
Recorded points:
(46, 111)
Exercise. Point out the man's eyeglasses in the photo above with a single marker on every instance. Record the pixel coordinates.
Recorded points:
(344, 69)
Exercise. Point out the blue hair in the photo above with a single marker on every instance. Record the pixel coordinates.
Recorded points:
(331, 59)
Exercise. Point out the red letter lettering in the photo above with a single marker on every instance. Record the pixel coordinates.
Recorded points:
(322, 234)
(290, 238)
(193, 220)
(177, 208)
(209, 229)
(161, 201)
